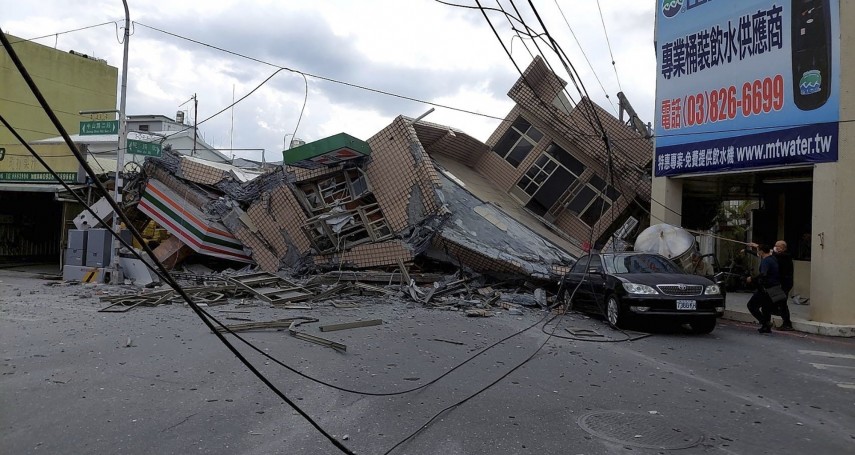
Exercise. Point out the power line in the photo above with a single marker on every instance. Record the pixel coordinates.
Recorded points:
(323, 78)
(63, 33)
(136, 234)
(579, 44)
(605, 32)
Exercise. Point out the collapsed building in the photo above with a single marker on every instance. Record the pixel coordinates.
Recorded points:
(523, 205)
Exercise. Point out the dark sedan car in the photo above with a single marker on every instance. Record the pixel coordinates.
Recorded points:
(621, 286)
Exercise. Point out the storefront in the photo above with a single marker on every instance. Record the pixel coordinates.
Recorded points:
(749, 126)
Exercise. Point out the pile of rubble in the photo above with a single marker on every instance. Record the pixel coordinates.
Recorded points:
(340, 204)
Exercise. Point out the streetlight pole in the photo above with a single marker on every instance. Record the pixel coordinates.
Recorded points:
(116, 273)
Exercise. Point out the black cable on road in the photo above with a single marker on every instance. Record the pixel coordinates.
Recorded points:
(120, 213)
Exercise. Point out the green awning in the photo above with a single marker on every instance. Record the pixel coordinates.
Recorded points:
(326, 152)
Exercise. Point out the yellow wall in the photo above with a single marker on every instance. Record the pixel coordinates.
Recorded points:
(70, 83)
(18, 165)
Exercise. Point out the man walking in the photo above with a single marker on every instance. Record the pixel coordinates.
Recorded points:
(785, 269)
(760, 305)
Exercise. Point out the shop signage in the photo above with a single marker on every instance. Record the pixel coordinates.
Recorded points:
(746, 84)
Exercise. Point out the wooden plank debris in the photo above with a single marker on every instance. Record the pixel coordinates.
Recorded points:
(292, 329)
(271, 288)
(375, 277)
(200, 294)
(350, 325)
(278, 324)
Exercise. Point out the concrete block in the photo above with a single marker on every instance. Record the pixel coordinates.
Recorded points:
(84, 274)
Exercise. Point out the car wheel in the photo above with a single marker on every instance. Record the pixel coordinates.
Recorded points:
(613, 312)
(703, 325)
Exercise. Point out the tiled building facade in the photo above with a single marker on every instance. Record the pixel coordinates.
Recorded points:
(552, 159)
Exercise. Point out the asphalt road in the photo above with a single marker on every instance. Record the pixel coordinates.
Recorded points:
(155, 380)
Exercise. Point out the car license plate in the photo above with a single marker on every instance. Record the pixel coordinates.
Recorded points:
(687, 305)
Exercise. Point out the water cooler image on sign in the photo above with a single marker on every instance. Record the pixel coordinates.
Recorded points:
(811, 35)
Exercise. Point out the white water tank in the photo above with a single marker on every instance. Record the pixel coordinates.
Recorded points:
(673, 242)
(179, 117)
(296, 142)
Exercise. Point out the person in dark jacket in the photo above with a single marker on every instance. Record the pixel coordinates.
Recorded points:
(785, 269)
(760, 305)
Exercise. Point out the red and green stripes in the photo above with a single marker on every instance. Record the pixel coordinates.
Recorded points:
(187, 223)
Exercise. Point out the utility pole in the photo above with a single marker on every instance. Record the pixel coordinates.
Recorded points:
(634, 121)
(195, 121)
(116, 272)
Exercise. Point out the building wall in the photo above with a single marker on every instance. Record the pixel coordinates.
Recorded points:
(570, 129)
(831, 285)
(400, 166)
(70, 83)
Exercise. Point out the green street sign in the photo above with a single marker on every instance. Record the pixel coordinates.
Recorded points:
(143, 148)
(99, 127)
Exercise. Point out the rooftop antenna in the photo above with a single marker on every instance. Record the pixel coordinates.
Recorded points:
(232, 129)
(195, 118)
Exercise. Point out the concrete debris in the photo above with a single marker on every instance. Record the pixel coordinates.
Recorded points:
(478, 313)
(386, 208)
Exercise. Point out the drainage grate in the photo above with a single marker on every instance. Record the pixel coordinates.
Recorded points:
(640, 430)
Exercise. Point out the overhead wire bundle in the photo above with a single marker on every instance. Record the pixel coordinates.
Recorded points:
(209, 320)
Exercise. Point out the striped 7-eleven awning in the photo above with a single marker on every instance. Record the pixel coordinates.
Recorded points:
(183, 220)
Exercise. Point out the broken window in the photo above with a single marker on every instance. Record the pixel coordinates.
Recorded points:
(343, 212)
(328, 192)
(547, 180)
(593, 200)
(518, 141)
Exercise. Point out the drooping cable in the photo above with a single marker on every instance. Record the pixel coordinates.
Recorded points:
(585, 55)
(175, 286)
(323, 78)
(65, 32)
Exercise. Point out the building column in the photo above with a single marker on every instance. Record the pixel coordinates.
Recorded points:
(832, 289)
(666, 201)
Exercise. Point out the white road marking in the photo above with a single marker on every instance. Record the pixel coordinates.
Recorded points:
(827, 354)
(846, 385)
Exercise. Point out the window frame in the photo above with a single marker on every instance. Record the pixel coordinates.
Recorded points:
(525, 133)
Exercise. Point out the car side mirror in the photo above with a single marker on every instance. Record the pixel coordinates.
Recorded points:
(596, 271)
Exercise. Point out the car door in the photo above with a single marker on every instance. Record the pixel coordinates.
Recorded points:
(586, 273)
(595, 284)
(573, 281)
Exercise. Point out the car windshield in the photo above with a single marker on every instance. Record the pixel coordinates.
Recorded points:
(639, 263)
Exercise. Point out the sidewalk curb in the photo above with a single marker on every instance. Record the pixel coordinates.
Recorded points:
(801, 325)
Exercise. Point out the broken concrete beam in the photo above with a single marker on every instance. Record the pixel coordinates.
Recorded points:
(350, 325)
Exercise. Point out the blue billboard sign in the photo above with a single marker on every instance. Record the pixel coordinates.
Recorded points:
(745, 84)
